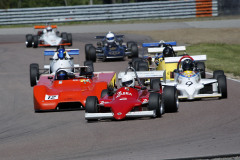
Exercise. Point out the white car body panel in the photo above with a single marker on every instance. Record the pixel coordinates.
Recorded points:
(51, 38)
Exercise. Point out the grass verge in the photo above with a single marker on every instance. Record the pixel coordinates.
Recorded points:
(219, 56)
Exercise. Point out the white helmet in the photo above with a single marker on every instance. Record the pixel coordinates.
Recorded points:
(49, 29)
(127, 81)
(110, 37)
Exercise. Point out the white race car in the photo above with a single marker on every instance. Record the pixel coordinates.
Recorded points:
(189, 83)
(61, 59)
(48, 37)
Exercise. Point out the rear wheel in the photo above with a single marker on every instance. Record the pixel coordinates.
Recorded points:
(217, 73)
(155, 84)
(35, 41)
(134, 50)
(91, 106)
(201, 67)
(34, 74)
(155, 104)
(64, 37)
(222, 85)
(29, 40)
(87, 51)
(170, 99)
(142, 66)
(92, 54)
(69, 37)
(90, 65)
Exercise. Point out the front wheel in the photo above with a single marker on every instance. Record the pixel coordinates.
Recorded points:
(91, 106)
(155, 104)
(170, 99)
(222, 85)
(90, 65)
(29, 40)
(34, 74)
(35, 41)
(217, 73)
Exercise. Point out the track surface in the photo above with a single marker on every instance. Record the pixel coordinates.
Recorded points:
(200, 128)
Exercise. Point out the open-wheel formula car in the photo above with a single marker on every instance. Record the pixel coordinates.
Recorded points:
(48, 36)
(190, 85)
(132, 100)
(161, 56)
(61, 58)
(69, 90)
(111, 46)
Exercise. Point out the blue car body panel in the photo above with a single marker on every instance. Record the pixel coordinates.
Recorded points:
(173, 43)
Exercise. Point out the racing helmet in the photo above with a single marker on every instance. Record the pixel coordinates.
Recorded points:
(127, 81)
(61, 53)
(110, 37)
(168, 52)
(62, 75)
(187, 65)
(49, 29)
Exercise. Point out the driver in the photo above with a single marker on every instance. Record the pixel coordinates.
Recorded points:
(168, 52)
(110, 38)
(127, 81)
(49, 29)
(187, 65)
(62, 75)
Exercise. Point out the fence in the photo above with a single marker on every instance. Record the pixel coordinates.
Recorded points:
(159, 9)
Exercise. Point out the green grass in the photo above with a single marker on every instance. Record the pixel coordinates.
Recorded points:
(219, 56)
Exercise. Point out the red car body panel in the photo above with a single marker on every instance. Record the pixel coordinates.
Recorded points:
(125, 100)
(50, 93)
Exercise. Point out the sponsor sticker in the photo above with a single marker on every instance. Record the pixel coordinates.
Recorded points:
(51, 97)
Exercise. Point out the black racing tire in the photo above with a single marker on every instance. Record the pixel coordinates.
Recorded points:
(142, 66)
(35, 41)
(217, 73)
(29, 40)
(34, 74)
(135, 61)
(154, 103)
(129, 44)
(69, 37)
(134, 50)
(64, 37)
(87, 51)
(170, 99)
(201, 67)
(155, 84)
(91, 106)
(90, 65)
(92, 54)
(104, 92)
(222, 85)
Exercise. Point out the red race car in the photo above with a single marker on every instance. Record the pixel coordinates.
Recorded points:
(131, 100)
(68, 90)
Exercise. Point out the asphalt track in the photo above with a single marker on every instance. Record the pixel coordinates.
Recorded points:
(200, 128)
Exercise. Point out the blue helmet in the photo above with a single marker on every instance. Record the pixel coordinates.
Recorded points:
(62, 75)
(61, 53)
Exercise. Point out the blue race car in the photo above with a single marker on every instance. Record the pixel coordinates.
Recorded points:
(111, 47)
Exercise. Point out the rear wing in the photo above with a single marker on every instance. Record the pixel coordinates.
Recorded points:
(144, 74)
(157, 44)
(102, 37)
(69, 51)
(176, 59)
(160, 49)
(43, 27)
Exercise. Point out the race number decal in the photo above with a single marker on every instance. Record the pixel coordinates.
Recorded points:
(51, 97)
(189, 83)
